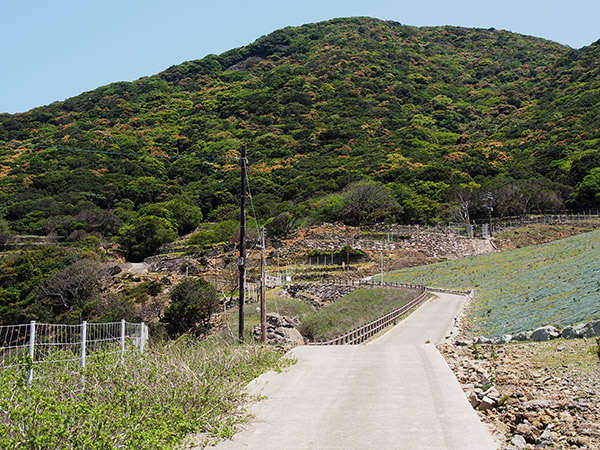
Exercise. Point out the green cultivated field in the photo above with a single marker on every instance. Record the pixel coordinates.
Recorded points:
(555, 283)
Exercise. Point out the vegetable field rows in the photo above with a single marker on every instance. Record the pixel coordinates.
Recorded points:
(555, 283)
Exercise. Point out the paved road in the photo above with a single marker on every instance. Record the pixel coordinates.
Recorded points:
(396, 393)
(139, 268)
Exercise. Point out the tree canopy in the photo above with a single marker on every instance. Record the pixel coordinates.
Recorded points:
(357, 120)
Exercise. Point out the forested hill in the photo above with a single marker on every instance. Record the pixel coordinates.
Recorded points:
(351, 119)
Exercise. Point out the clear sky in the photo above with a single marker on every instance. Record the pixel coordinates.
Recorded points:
(55, 49)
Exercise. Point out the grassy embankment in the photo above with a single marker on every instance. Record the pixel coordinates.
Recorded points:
(334, 319)
(352, 311)
(153, 401)
(553, 283)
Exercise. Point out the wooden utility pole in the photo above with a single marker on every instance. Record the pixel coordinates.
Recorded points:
(242, 258)
(263, 292)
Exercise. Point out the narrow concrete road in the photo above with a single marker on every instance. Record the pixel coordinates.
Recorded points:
(431, 323)
(396, 393)
(138, 268)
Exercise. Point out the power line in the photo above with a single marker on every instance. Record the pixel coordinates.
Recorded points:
(106, 152)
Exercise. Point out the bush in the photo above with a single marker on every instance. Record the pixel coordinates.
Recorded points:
(193, 301)
(142, 236)
(353, 310)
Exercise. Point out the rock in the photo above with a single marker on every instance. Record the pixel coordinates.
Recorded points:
(582, 330)
(545, 439)
(486, 403)
(463, 342)
(493, 393)
(545, 334)
(474, 399)
(594, 329)
(528, 432)
(114, 270)
(589, 429)
(291, 335)
(522, 336)
(505, 339)
(574, 331)
(518, 441)
(566, 418)
(537, 404)
(485, 378)
(483, 340)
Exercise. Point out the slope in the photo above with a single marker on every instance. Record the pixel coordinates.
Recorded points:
(518, 290)
(320, 106)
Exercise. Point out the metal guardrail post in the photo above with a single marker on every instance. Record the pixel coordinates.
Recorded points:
(83, 351)
(83, 343)
(143, 336)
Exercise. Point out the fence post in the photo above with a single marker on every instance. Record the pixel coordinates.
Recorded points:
(143, 336)
(83, 342)
(122, 340)
(31, 351)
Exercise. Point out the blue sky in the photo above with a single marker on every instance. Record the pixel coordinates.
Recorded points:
(55, 49)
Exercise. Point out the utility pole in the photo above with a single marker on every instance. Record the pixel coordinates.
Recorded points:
(490, 207)
(263, 292)
(242, 258)
(382, 267)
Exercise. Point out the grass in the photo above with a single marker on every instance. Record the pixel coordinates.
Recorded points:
(283, 306)
(352, 311)
(573, 354)
(522, 289)
(153, 401)
(539, 234)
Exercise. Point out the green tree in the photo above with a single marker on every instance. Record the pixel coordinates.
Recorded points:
(5, 233)
(186, 214)
(142, 236)
(193, 301)
(587, 193)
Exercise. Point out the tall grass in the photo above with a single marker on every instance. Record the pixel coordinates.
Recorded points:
(148, 402)
(353, 310)
(275, 304)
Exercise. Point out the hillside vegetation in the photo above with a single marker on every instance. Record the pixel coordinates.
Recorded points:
(355, 120)
(522, 289)
(418, 122)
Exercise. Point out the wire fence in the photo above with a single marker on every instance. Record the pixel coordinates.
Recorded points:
(507, 223)
(33, 345)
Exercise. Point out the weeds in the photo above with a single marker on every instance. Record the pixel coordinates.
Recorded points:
(151, 402)
(475, 351)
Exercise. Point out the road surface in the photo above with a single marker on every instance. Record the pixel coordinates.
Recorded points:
(395, 393)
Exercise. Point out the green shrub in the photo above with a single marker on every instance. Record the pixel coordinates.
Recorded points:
(193, 301)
